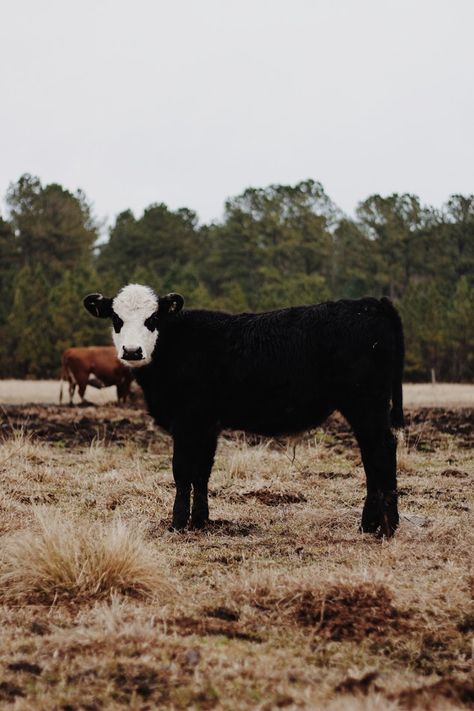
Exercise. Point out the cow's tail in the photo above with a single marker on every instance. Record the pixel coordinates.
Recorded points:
(396, 415)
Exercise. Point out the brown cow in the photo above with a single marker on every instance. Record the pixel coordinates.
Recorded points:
(101, 362)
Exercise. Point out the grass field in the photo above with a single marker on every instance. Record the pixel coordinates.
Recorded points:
(47, 391)
(280, 604)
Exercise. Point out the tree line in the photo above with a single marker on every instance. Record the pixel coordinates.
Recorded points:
(276, 246)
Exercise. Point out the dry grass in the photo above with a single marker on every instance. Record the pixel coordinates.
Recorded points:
(439, 395)
(47, 391)
(281, 604)
(60, 558)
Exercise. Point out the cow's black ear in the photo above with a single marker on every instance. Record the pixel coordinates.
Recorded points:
(170, 304)
(98, 305)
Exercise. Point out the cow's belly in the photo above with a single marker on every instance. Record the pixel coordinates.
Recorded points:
(276, 419)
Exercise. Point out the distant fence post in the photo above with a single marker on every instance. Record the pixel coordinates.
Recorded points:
(433, 376)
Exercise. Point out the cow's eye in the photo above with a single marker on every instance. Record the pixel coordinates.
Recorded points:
(117, 323)
(150, 323)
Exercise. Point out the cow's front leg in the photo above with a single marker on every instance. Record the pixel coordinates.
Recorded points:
(182, 501)
(193, 458)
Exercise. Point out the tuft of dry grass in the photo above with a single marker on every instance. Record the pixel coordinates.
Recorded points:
(75, 560)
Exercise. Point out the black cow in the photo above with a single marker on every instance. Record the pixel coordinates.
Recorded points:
(270, 373)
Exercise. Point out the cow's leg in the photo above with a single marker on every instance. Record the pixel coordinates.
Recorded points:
(72, 388)
(380, 463)
(378, 450)
(193, 457)
(121, 393)
(207, 450)
(82, 383)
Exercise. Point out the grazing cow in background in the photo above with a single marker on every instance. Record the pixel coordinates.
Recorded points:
(269, 373)
(100, 362)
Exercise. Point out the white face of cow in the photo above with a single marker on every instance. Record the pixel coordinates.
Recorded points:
(137, 314)
(134, 331)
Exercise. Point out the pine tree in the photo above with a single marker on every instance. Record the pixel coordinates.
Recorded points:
(30, 335)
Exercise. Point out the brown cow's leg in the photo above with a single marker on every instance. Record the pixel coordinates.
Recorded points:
(82, 385)
(121, 393)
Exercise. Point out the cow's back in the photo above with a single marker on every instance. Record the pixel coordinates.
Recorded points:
(272, 372)
(100, 361)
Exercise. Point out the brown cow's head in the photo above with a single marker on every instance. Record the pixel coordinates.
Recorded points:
(136, 313)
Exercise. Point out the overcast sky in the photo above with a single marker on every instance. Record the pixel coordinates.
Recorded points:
(190, 101)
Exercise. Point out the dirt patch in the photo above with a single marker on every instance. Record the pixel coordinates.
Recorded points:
(142, 681)
(427, 424)
(333, 475)
(223, 613)
(230, 528)
(72, 426)
(69, 426)
(270, 498)
(9, 691)
(24, 666)
(353, 685)
(349, 612)
(456, 473)
(338, 612)
(205, 627)
(456, 690)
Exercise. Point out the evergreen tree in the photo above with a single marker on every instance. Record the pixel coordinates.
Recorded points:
(461, 331)
(70, 323)
(394, 224)
(162, 242)
(9, 265)
(30, 336)
(52, 226)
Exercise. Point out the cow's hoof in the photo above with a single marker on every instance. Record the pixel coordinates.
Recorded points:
(179, 523)
(198, 523)
(388, 524)
(380, 514)
(175, 529)
(369, 526)
(370, 515)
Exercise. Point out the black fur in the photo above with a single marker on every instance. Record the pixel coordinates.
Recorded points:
(275, 373)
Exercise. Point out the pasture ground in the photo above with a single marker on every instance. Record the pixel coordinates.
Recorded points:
(47, 392)
(280, 604)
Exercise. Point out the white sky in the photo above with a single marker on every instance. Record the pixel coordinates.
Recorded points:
(190, 101)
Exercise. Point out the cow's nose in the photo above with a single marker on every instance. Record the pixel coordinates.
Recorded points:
(132, 353)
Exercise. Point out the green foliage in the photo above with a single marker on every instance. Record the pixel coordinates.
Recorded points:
(277, 246)
(29, 333)
(52, 226)
(161, 241)
(461, 330)
(9, 265)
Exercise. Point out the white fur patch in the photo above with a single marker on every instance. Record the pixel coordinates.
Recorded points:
(134, 304)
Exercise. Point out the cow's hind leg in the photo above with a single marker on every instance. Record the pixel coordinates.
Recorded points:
(193, 457)
(378, 450)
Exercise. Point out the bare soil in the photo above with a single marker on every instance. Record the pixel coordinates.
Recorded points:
(71, 426)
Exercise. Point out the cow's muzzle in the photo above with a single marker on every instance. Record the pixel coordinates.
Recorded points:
(132, 353)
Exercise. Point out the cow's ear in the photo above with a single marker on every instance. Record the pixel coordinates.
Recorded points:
(170, 304)
(98, 305)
